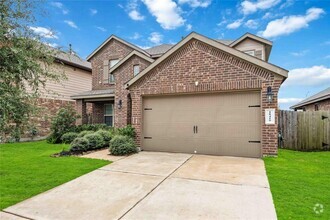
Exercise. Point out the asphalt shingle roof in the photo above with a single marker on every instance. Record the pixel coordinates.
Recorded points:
(159, 50)
(93, 93)
(325, 94)
(73, 59)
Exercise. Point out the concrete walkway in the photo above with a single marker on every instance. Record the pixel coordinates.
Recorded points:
(152, 185)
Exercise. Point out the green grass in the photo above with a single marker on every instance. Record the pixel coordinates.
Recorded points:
(26, 169)
(298, 181)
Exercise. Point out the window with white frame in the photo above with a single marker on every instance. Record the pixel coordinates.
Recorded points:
(250, 52)
(108, 114)
(136, 69)
(113, 62)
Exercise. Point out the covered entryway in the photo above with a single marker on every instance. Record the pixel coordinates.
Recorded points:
(217, 124)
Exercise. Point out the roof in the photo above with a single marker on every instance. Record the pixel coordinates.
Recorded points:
(94, 94)
(159, 50)
(325, 94)
(275, 69)
(73, 60)
(118, 39)
(225, 42)
(134, 52)
(252, 36)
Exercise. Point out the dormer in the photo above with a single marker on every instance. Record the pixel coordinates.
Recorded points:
(254, 46)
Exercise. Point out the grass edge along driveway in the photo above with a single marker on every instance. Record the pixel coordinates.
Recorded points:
(27, 169)
(298, 182)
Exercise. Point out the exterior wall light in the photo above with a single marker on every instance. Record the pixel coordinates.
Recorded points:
(120, 104)
(270, 94)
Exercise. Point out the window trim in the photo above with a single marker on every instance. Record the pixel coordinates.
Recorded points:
(117, 59)
(109, 115)
(248, 52)
(136, 65)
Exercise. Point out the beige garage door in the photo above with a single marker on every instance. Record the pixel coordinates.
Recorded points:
(217, 124)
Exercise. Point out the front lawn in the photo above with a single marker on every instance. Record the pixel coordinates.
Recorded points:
(26, 169)
(298, 182)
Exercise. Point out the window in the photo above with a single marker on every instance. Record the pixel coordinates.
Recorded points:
(136, 69)
(111, 78)
(113, 62)
(250, 52)
(316, 107)
(108, 114)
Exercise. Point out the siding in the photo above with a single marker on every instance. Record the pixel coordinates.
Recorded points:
(249, 44)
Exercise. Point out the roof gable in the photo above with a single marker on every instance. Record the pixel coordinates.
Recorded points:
(251, 36)
(131, 54)
(121, 41)
(275, 69)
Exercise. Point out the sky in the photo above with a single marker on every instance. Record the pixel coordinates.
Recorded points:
(299, 30)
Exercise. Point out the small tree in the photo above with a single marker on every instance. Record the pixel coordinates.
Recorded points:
(24, 66)
(63, 122)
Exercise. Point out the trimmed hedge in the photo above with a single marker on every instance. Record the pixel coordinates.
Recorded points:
(83, 133)
(95, 140)
(106, 136)
(122, 145)
(79, 145)
(68, 137)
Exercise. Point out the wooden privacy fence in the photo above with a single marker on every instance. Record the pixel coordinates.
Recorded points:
(305, 131)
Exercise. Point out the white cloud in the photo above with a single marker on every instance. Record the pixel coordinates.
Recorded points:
(287, 4)
(54, 45)
(132, 9)
(135, 15)
(143, 47)
(326, 42)
(188, 27)
(299, 53)
(289, 100)
(93, 11)
(44, 32)
(236, 24)
(312, 76)
(290, 24)
(327, 57)
(252, 24)
(59, 5)
(155, 38)
(101, 28)
(167, 13)
(249, 7)
(136, 36)
(71, 24)
(196, 3)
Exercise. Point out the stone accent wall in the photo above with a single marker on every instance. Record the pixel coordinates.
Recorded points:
(112, 50)
(323, 105)
(214, 70)
(122, 75)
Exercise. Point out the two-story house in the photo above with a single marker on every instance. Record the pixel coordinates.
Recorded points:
(198, 96)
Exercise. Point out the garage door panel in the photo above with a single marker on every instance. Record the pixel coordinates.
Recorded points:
(226, 123)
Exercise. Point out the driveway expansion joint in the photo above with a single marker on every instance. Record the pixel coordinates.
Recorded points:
(185, 161)
(20, 216)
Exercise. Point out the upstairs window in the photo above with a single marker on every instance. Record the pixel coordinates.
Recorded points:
(113, 62)
(136, 69)
(111, 78)
(250, 52)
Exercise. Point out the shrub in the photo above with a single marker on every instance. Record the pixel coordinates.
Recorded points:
(63, 122)
(106, 136)
(79, 144)
(127, 131)
(83, 133)
(122, 145)
(95, 141)
(68, 137)
(92, 127)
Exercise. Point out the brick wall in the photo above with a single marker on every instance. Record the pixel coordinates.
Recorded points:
(48, 109)
(123, 74)
(215, 70)
(322, 105)
(113, 50)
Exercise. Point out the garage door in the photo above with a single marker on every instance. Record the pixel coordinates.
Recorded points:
(217, 124)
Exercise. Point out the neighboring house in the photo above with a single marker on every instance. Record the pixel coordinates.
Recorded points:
(57, 95)
(319, 101)
(198, 96)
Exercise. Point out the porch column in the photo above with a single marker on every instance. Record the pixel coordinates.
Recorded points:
(81, 110)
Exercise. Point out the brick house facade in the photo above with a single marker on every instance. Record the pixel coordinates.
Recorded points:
(196, 65)
(318, 102)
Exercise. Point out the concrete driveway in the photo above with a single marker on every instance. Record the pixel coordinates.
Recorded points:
(152, 185)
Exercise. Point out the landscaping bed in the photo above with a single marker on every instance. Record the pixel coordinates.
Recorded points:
(299, 182)
(27, 169)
